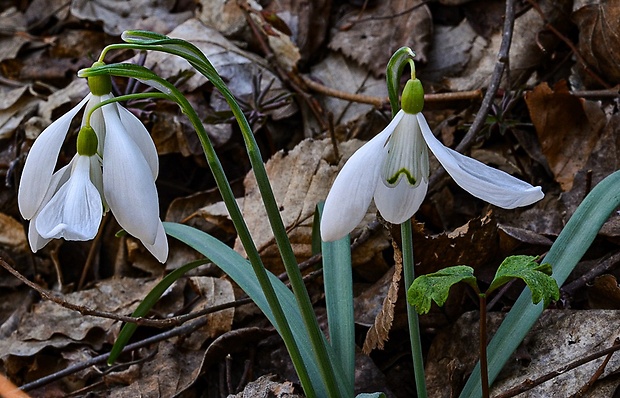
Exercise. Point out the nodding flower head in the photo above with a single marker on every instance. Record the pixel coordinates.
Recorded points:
(115, 168)
(393, 169)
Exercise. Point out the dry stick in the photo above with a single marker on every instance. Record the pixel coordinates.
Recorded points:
(181, 330)
(529, 384)
(596, 375)
(383, 102)
(496, 78)
(603, 266)
(158, 323)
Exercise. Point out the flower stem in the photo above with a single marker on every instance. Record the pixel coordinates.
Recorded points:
(412, 315)
(484, 373)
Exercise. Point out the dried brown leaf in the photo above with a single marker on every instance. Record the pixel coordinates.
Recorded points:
(568, 129)
(370, 37)
(120, 15)
(599, 37)
(604, 293)
(379, 332)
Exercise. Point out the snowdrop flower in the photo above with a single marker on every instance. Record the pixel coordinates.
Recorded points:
(393, 169)
(115, 168)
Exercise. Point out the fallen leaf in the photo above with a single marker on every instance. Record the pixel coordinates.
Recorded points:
(308, 21)
(214, 291)
(372, 35)
(568, 129)
(237, 67)
(120, 15)
(379, 331)
(225, 16)
(604, 293)
(599, 37)
(12, 233)
(13, 23)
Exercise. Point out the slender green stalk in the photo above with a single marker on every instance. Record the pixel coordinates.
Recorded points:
(234, 211)
(317, 339)
(412, 315)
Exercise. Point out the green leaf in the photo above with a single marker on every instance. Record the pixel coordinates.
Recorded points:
(239, 270)
(536, 276)
(338, 281)
(436, 286)
(370, 395)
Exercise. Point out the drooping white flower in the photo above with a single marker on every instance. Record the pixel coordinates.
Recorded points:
(393, 169)
(116, 171)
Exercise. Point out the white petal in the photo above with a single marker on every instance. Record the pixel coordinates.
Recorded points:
(41, 161)
(141, 137)
(400, 203)
(354, 187)
(128, 184)
(60, 177)
(484, 182)
(160, 249)
(75, 211)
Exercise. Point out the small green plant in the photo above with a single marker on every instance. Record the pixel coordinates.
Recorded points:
(436, 287)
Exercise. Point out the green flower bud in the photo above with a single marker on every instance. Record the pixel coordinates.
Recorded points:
(100, 85)
(87, 141)
(412, 100)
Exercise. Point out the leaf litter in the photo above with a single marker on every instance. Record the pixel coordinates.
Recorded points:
(561, 131)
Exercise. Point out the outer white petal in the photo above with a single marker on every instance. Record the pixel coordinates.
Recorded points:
(141, 137)
(354, 187)
(160, 248)
(484, 182)
(41, 161)
(400, 203)
(128, 184)
(75, 211)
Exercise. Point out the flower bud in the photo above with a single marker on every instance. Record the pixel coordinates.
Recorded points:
(412, 100)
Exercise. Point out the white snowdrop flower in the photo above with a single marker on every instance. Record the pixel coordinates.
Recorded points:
(393, 169)
(115, 168)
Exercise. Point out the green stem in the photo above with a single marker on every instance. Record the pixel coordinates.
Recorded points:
(235, 214)
(484, 373)
(412, 315)
(317, 339)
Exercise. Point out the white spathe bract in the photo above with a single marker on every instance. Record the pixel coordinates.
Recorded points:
(393, 169)
(70, 202)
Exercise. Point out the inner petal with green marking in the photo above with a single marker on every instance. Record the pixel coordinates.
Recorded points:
(407, 154)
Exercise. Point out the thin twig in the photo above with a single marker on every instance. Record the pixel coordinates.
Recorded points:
(604, 265)
(178, 331)
(529, 384)
(384, 102)
(496, 78)
(596, 375)
(158, 323)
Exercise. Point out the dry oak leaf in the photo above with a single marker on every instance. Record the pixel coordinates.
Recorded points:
(370, 37)
(568, 129)
(599, 36)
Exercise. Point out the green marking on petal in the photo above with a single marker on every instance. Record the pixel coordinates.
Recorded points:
(394, 179)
